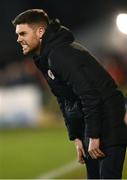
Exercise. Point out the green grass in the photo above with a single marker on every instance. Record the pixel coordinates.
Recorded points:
(28, 153)
(125, 168)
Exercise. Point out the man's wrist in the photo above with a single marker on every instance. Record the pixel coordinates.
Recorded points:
(94, 138)
(77, 139)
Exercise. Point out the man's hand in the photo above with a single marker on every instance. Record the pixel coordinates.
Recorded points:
(94, 148)
(80, 150)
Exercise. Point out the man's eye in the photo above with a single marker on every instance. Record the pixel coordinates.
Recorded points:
(22, 34)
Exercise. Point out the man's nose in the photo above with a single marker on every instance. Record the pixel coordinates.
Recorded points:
(19, 39)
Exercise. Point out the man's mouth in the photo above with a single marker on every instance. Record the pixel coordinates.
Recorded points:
(24, 46)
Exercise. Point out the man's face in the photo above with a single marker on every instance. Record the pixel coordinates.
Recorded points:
(29, 37)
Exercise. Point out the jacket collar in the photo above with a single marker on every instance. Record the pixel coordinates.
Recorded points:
(54, 36)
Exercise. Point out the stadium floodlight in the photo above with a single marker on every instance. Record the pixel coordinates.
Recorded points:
(121, 22)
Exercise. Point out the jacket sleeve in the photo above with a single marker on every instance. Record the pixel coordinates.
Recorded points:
(73, 72)
(74, 123)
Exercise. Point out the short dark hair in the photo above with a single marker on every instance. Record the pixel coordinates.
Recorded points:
(32, 16)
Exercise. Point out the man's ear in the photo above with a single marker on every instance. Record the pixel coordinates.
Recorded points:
(41, 31)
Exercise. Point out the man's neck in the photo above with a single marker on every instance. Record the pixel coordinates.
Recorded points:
(38, 50)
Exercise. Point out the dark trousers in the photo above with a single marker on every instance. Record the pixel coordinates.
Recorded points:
(109, 167)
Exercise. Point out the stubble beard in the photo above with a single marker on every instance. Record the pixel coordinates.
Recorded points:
(32, 51)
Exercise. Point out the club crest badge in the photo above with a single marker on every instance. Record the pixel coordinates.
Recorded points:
(50, 74)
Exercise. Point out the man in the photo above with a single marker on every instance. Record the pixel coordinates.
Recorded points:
(92, 105)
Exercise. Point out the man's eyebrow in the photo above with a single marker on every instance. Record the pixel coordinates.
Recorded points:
(20, 33)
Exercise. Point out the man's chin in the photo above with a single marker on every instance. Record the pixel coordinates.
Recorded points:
(28, 52)
(25, 53)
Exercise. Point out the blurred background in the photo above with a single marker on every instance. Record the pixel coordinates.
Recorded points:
(33, 139)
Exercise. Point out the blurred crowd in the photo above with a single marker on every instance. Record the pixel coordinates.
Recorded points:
(116, 65)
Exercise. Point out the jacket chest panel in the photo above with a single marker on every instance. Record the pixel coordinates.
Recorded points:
(59, 87)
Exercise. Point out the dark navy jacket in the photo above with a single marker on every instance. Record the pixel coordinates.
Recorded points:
(91, 103)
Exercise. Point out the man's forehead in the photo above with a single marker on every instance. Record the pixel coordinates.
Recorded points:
(22, 27)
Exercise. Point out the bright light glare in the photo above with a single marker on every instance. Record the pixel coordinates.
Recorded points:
(121, 22)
